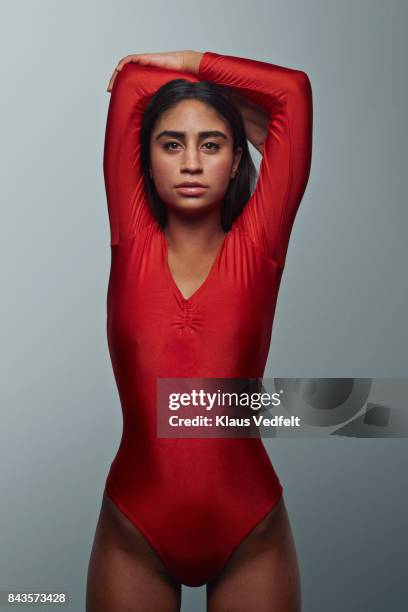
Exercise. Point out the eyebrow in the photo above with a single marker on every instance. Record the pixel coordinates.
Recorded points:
(182, 135)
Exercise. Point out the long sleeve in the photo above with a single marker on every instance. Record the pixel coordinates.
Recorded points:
(128, 207)
(286, 95)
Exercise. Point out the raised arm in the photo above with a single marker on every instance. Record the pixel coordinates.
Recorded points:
(128, 207)
(286, 95)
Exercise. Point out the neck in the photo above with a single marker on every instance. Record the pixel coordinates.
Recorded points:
(194, 234)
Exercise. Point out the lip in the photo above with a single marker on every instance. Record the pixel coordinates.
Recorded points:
(195, 190)
(191, 184)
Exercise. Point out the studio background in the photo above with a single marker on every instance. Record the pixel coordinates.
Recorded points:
(342, 307)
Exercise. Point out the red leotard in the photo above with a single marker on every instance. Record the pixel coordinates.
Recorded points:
(195, 499)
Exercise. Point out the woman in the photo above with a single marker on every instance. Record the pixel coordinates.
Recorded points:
(195, 271)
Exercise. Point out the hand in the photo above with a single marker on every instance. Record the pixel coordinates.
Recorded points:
(255, 118)
(172, 60)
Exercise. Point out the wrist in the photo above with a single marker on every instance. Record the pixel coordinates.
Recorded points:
(192, 61)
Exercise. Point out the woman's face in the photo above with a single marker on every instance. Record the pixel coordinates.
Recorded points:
(192, 143)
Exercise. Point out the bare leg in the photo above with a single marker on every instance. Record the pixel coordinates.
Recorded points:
(263, 573)
(125, 574)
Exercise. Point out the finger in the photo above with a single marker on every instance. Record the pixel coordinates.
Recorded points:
(114, 75)
(112, 80)
(138, 58)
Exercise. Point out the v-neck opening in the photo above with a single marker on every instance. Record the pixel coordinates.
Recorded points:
(165, 252)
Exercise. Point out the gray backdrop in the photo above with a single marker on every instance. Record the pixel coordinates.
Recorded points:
(342, 305)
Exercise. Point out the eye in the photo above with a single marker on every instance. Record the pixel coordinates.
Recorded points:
(168, 146)
(214, 147)
(210, 146)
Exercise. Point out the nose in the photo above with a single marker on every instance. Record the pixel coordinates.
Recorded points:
(191, 160)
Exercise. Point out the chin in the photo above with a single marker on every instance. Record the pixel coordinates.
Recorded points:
(185, 203)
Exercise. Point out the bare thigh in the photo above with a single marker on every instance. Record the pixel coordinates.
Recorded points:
(125, 574)
(263, 573)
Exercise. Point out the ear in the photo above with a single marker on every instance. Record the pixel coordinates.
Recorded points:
(237, 159)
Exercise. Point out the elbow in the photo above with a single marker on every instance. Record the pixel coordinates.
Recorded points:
(301, 83)
(300, 90)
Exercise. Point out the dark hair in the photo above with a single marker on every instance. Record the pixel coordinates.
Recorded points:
(217, 97)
